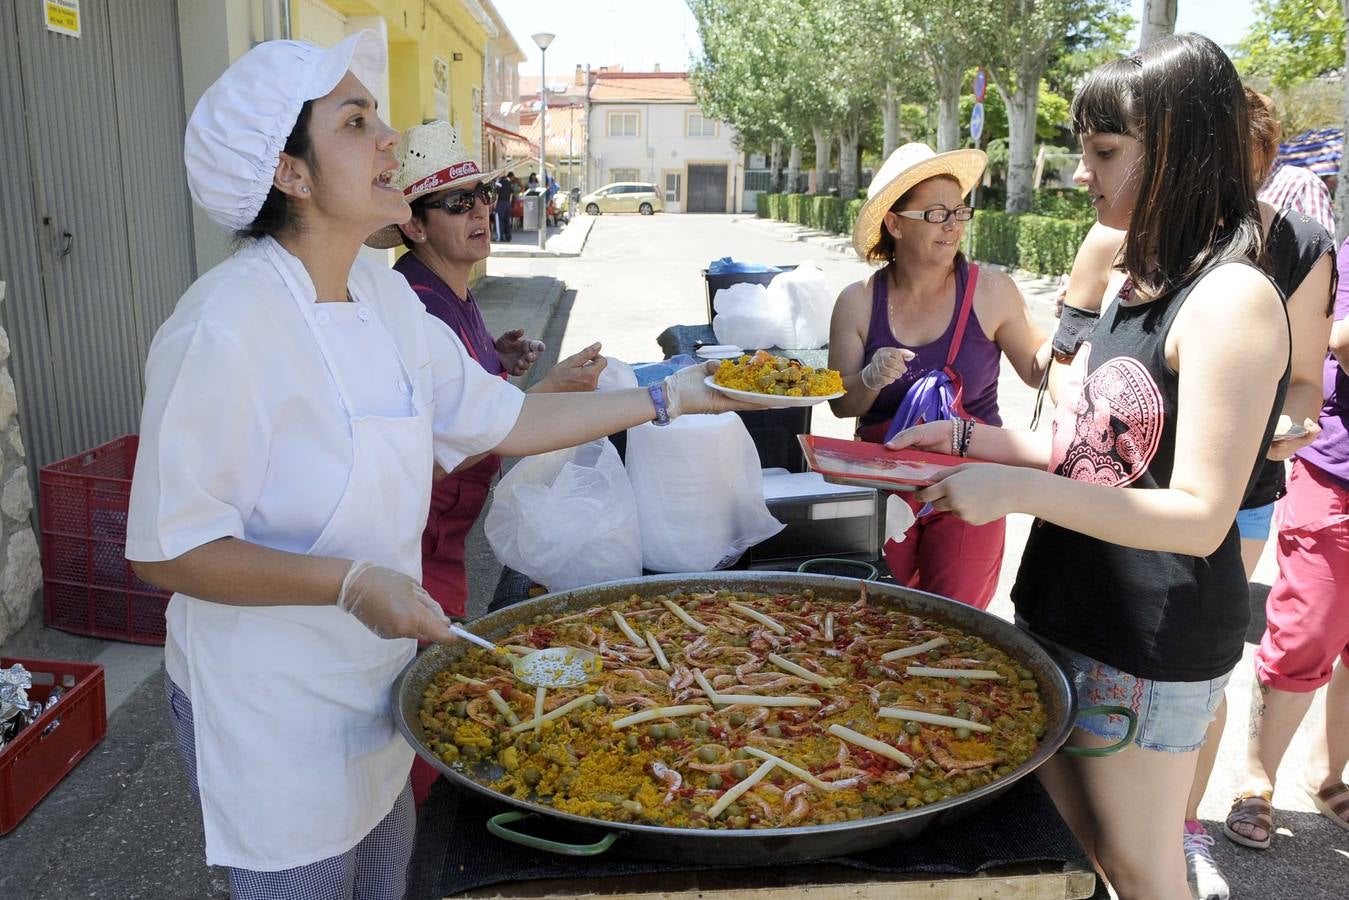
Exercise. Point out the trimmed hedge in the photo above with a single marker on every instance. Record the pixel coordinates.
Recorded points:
(762, 202)
(1042, 244)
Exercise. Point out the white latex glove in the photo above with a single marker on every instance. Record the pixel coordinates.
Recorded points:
(391, 604)
(686, 392)
(886, 367)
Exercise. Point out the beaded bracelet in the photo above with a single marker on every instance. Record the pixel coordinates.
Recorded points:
(967, 433)
(955, 437)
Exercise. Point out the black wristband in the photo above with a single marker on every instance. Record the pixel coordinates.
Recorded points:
(1075, 326)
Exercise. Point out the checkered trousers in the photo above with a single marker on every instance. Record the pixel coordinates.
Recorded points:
(375, 869)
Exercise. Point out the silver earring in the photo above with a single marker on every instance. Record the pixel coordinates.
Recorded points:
(304, 190)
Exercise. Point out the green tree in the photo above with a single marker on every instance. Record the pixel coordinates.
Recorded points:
(1293, 40)
(949, 35)
(1022, 39)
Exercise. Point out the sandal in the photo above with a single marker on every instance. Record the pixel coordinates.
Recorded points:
(1253, 808)
(1333, 802)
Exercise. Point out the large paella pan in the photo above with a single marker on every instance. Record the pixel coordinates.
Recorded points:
(894, 777)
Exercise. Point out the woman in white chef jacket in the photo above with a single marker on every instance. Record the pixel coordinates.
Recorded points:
(297, 401)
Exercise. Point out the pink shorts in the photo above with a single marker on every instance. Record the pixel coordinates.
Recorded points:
(943, 555)
(1307, 613)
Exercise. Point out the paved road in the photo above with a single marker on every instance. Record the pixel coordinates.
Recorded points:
(123, 825)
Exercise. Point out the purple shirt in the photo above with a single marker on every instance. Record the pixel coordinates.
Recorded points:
(1330, 451)
(463, 316)
(976, 363)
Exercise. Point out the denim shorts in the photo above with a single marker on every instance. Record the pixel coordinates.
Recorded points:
(1172, 715)
(1253, 524)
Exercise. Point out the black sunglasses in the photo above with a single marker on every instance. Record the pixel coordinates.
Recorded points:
(461, 202)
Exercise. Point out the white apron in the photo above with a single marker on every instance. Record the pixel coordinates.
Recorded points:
(298, 757)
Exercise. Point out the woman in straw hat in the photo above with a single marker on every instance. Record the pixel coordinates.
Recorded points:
(448, 234)
(926, 309)
(297, 400)
(1132, 574)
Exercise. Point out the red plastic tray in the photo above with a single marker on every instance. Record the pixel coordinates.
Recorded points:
(88, 587)
(45, 751)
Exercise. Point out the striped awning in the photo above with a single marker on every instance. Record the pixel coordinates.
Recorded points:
(1318, 150)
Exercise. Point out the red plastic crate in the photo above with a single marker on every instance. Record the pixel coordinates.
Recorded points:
(45, 751)
(88, 587)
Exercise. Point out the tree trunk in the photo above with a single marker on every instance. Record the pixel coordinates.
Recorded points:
(1159, 21)
(775, 167)
(848, 159)
(948, 78)
(1342, 181)
(1021, 145)
(793, 169)
(822, 155)
(890, 121)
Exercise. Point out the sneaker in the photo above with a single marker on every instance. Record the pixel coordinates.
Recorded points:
(1206, 882)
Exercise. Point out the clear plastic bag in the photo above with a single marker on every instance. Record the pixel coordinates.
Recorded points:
(568, 518)
(809, 304)
(749, 316)
(699, 493)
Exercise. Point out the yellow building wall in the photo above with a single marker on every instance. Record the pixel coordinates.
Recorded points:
(420, 31)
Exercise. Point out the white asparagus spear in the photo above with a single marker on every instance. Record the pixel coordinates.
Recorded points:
(660, 712)
(829, 627)
(557, 713)
(624, 627)
(974, 674)
(868, 743)
(915, 650)
(706, 685)
(796, 770)
(660, 654)
(802, 672)
(503, 707)
(914, 715)
(758, 617)
(734, 793)
(539, 693)
(684, 617)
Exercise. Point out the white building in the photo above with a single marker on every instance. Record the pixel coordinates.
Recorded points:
(647, 126)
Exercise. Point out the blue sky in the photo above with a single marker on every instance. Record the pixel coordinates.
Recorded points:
(641, 33)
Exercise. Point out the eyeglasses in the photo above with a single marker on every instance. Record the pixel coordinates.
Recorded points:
(461, 202)
(939, 215)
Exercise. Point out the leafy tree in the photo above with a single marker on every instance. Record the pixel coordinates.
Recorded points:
(1022, 38)
(1292, 41)
(949, 36)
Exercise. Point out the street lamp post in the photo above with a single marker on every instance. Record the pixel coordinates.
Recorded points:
(543, 39)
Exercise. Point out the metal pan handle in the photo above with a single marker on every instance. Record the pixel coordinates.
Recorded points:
(497, 825)
(863, 570)
(1112, 749)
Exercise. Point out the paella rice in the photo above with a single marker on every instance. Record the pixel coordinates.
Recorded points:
(750, 726)
(764, 373)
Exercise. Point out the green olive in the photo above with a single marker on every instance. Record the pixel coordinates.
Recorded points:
(895, 801)
(603, 701)
(931, 796)
(734, 810)
(742, 753)
(739, 822)
(460, 709)
(531, 775)
(632, 742)
(736, 719)
(714, 781)
(702, 726)
(963, 734)
(707, 754)
(962, 710)
(961, 783)
(535, 747)
(655, 732)
(740, 771)
(964, 682)
(874, 671)
(774, 731)
(913, 802)
(921, 782)
(1024, 673)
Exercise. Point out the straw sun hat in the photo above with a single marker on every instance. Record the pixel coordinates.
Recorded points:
(906, 167)
(430, 158)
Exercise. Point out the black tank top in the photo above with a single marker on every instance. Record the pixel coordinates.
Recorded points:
(1162, 616)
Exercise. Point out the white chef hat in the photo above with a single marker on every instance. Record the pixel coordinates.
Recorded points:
(239, 127)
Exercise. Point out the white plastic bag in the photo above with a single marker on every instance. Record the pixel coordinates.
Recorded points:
(699, 493)
(617, 375)
(567, 518)
(749, 316)
(809, 304)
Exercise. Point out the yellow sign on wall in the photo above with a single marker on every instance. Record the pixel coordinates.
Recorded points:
(63, 16)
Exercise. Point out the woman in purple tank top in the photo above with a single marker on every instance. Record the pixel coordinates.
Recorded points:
(909, 319)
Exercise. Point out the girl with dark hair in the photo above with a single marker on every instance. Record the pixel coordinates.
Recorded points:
(1132, 573)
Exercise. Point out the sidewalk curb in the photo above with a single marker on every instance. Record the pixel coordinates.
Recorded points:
(566, 244)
